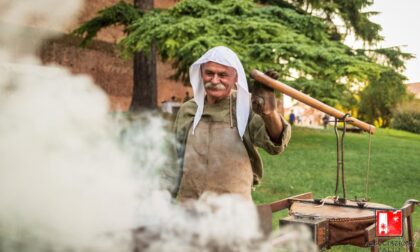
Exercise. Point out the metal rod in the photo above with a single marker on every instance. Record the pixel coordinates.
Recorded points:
(285, 89)
(368, 168)
(343, 205)
(338, 157)
(343, 179)
(410, 234)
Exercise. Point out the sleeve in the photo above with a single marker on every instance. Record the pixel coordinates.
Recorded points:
(260, 137)
(172, 173)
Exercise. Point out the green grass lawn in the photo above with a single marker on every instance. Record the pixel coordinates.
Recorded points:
(309, 165)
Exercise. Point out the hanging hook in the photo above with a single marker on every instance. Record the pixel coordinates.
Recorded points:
(340, 156)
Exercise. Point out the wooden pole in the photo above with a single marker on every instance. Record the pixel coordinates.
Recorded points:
(285, 89)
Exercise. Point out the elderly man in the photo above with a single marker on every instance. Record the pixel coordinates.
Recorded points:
(218, 131)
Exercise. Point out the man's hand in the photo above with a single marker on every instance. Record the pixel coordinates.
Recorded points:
(264, 103)
(263, 97)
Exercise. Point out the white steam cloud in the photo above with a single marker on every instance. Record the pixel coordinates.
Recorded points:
(74, 179)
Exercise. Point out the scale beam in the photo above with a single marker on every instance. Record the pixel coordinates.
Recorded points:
(287, 90)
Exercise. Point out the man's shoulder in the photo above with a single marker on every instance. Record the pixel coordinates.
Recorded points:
(185, 116)
(189, 104)
(188, 107)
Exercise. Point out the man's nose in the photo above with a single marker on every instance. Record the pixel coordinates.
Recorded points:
(215, 79)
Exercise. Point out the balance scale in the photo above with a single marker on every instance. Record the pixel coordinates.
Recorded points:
(337, 220)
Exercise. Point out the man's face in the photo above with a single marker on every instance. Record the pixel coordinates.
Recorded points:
(218, 80)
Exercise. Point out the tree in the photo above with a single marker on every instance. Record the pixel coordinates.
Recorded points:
(379, 98)
(301, 39)
(144, 68)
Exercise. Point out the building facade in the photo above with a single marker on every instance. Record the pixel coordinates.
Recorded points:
(414, 88)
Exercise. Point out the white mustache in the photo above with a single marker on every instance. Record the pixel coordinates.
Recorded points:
(219, 86)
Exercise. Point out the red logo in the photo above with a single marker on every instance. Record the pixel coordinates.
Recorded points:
(389, 223)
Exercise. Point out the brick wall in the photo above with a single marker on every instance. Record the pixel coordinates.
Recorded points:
(164, 4)
(100, 59)
(167, 87)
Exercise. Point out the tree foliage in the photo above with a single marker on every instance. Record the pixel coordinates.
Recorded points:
(407, 117)
(121, 13)
(381, 96)
(301, 39)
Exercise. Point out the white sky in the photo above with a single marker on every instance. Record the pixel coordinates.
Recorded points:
(400, 21)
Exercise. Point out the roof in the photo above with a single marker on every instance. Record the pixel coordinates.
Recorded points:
(414, 88)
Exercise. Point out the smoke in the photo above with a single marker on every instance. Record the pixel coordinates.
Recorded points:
(18, 18)
(293, 238)
(222, 223)
(75, 178)
(63, 178)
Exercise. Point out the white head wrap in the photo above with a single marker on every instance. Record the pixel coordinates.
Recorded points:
(224, 56)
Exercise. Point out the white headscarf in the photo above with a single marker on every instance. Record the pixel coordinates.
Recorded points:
(224, 56)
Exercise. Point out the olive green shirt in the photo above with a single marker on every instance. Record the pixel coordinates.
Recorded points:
(255, 134)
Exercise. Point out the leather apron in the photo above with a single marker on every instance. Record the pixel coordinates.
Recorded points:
(215, 161)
